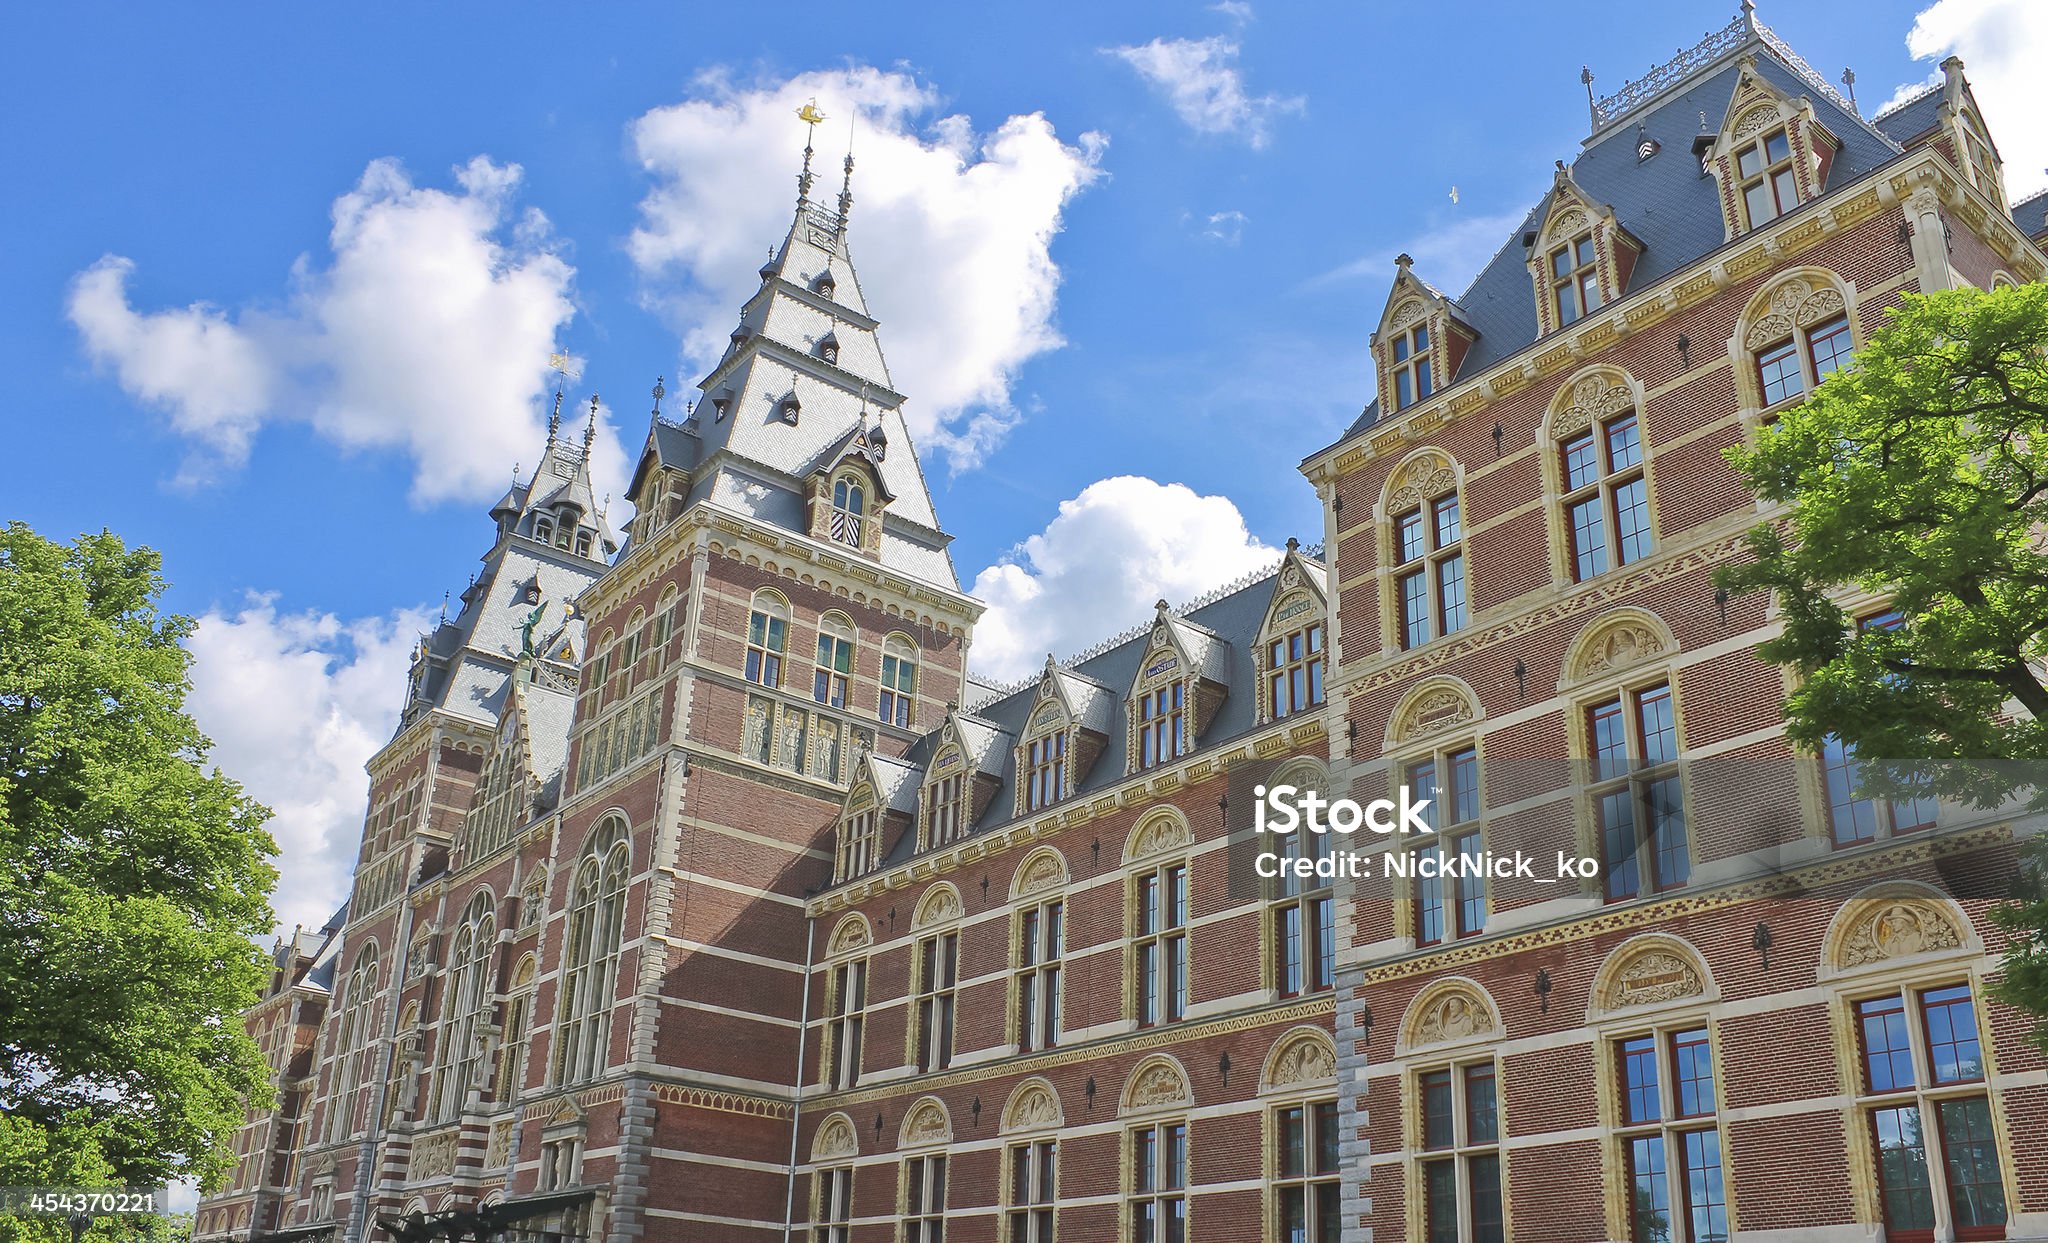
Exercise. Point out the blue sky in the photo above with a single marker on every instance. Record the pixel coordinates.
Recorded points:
(1103, 241)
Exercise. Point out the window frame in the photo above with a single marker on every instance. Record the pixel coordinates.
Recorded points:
(848, 521)
(896, 701)
(592, 946)
(1410, 364)
(1802, 349)
(934, 997)
(1423, 610)
(1030, 1189)
(846, 1008)
(924, 1179)
(1162, 1185)
(1295, 671)
(1037, 978)
(832, 668)
(1453, 895)
(1669, 1125)
(1767, 175)
(832, 1204)
(1925, 1096)
(1462, 1149)
(767, 639)
(1602, 489)
(1582, 257)
(1161, 972)
(1641, 777)
(1301, 918)
(1312, 1182)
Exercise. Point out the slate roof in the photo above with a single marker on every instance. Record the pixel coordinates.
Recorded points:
(1666, 202)
(1224, 624)
(1911, 117)
(2031, 215)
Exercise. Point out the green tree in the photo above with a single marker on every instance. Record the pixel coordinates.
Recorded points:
(1921, 476)
(132, 880)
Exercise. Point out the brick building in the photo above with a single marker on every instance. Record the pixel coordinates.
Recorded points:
(705, 895)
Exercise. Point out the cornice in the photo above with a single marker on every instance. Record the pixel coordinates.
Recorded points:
(1149, 786)
(773, 540)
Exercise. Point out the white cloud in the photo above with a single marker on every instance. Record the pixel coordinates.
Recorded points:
(1226, 227)
(426, 330)
(1236, 10)
(1449, 255)
(296, 703)
(1098, 567)
(1200, 78)
(951, 230)
(2002, 43)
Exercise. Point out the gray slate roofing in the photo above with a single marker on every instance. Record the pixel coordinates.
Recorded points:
(2031, 214)
(1226, 623)
(1911, 117)
(1666, 201)
(549, 713)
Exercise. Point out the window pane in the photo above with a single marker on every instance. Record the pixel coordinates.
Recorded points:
(1423, 386)
(1450, 592)
(1649, 1190)
(1408, 535)
(1785, 189)
(1581, 465)
(1969, 1149)
(1853, 819)
(1887, 1056)
(1437, 1117)
(1660, 735)
(1449, 527)
(1632, 521)
(1567, 305)
(1482, 1113)
(1776, 148)
(1440, 1201)
(1782, 377)
(1589, 539)
(1421, 337)
(1404, 389)
(1471, 887)
(1610, 741)
(1624, 443)
(1830, 345)
(1561, 262)
(1293, 1143)
(1414, 610)
(1705, 1196)
(1952, 1049)
(1693, 1073)
(1667, 833)
(1429, 895)
(1756, 199)
(1464, 794)
(1618, 841)
(1326, 1141)
(1749, 162)
(1902, 1169)
(1488, 1225)
(1640, 1099)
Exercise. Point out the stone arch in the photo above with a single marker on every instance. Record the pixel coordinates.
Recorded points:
(837, 1137)
(1043, 869)
(1895, 920)
(1449, 1011)
(1653, 969)
(927, 1122)
(1433, 706)
(850, 935)
(1594, 393)
(1303, 1057)
(1302, 771)
(1157, 1082)
(524, 975)
(939, 903)
(1618, 640)
(1427, 472)
(1162, 829)
(1033, 1106)
(1797, 299)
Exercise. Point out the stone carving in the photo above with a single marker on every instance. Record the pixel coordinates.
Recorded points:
(1653, 976)
(1794, 304)
(852, 934)
(1044, 871)
(1617, 647)
(928, 1124)
(1161, 1083)
(1290, 578)
(1456, 1015)
(1159, 834)
(755, 741)
(1570, 223)
(1896, 929)
(1594, 397)
(434, 1156)
(566, 1113)
(1434, 711)
(1305, 1059)
(835, 1139)
(498, 1153)
(939, 904)
(1753, 121)
(1421, 480)
(1032, 1108)
(1406, 314)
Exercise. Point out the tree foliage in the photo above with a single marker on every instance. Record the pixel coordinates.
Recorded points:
(132, 880)
(1920, 478)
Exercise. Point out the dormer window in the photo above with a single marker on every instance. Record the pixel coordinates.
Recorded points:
(1768, 188)
(583, 540)
(1410, 354)
(824, 285)
(1983, 164)
(719, 405)
(788, 410)
(849, 511)
(543, 530)
(1574, 279)
(828, 349)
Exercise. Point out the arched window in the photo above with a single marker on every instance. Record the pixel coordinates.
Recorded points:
(860, 834)
(468, 998)
(835, 660)
(899, 681)
(1428, 553)
(767, 638)
(849, 510)
(511, 1072)
(1767, 187)
(1604, 513)
(543, 529)
(1303, 910)
(591, 963)
(1574, 278)
(1410, 355)
(350, 1041)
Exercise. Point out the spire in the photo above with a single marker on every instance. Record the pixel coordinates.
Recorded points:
(554, 419)
(590, 428)
(810, 116)
(846, 195)
(1592, 104)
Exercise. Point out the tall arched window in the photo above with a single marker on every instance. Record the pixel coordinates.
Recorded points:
(1044, 771)
(1604, 514)
(835, 660)
(350, 1044)
(767, 638)
(899, 681)
(1428, 552)
(468, 999)
(591, 964)
(849, 510)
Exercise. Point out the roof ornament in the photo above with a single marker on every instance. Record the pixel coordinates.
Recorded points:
(1849, 81)
(1749, 13)
(810, 116)
(1592, 104)
(558, 362)
(1402, 262)
(846, 186)
(660, 391)
(590, 428)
